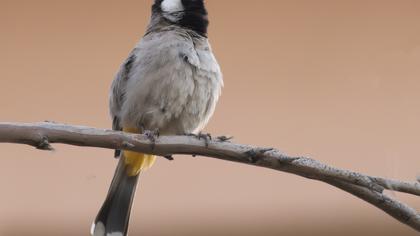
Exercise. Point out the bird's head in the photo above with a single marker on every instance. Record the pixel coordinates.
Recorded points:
(191, 14)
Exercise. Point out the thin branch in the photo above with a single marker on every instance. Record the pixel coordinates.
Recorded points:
(368, 188)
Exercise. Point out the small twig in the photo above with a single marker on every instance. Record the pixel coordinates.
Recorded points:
(400, 186)
(224, 138)
(169, 157)
(368, 188)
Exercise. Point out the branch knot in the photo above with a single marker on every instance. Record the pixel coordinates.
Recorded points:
(44, 144)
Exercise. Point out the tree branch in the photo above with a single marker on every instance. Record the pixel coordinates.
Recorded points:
(368, 188)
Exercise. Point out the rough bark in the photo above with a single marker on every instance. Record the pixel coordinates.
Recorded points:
(369, 188)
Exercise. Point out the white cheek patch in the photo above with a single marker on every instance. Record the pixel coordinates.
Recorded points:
(172, 5)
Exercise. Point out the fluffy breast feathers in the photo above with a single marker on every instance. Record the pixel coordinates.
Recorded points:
(174, 84)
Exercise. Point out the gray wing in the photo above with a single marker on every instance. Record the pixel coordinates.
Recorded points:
(117, 93)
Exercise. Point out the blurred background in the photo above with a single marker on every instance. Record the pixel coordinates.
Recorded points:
(334, 80)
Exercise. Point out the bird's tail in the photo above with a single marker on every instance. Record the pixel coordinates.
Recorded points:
(113, 218)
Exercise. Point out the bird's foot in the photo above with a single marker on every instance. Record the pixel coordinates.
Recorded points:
(202, 136)
(152, 136)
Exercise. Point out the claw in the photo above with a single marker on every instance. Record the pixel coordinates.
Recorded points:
(206, 137)
(157, 132)
(152, 136)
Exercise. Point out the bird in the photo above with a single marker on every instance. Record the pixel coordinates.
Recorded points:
(170, 82)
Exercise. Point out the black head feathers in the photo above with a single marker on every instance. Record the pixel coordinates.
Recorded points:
(191, 14)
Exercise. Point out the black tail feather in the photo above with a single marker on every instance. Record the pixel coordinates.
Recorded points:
(114, 216)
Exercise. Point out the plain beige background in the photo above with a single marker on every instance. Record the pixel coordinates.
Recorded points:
(334, 80)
